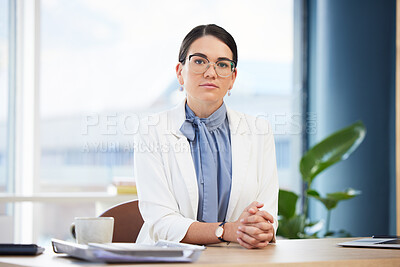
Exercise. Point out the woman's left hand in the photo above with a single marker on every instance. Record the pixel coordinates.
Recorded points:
(256, 230)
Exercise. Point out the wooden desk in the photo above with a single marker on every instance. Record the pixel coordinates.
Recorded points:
(315, 252)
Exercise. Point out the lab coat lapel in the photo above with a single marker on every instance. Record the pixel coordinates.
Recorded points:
(183, 154)
(241, 148)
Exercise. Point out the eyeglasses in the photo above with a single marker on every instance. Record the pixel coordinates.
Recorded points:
(200, 64)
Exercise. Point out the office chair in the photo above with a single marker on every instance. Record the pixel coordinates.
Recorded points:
(127, 221)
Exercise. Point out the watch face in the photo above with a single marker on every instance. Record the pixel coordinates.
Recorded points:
(219, 232)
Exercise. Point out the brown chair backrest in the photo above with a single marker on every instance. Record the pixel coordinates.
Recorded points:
(127, 221)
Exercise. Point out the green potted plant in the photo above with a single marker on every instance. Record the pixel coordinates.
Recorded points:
(333, 149)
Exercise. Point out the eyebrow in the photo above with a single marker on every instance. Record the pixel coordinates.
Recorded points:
(218, 59)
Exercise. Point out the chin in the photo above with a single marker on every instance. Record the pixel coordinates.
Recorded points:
(210, 96)
(211, 99)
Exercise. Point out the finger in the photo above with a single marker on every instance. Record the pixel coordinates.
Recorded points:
(255, 205)
(250, 230)
(252, 206)
(256, 233)
(250, 239)
(244, 244)
(266, 237)
(263, 226)
(252, 210)
(263, 237)
(263, 244)
(250, 246)
(259, 205)
(265, 215)
(262, 214)
(252, 219)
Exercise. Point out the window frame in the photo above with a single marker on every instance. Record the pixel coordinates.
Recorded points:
(24, 115)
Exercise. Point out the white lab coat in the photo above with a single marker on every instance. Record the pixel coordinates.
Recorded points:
(166, 177)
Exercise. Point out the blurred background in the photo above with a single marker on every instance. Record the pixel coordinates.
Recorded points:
(100, 65)
(76, 76)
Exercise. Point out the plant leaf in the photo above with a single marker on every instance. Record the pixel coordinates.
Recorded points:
(332, 149)
(292, 228)
(312, 193)
(347, 194)
(287, 203)
(340, 233)
(332, 199)
(328, 203)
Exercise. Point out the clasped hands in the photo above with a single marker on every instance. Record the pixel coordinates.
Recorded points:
(254, 227)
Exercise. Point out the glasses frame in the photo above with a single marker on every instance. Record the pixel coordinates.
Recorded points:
(233, 65)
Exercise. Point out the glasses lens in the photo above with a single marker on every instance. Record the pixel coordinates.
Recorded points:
(198, 64)
(224, 68)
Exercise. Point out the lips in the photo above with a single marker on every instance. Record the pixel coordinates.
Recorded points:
(208, 85)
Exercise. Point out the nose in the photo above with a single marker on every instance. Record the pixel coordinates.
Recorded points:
(210, 71)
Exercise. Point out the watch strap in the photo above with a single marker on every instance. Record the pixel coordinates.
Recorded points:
(219, 237)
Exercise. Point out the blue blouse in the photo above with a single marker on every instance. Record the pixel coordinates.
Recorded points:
(210, 144)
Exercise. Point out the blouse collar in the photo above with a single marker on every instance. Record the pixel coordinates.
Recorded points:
(213, 121)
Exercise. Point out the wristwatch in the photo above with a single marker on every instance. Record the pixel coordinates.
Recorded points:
(220, 232)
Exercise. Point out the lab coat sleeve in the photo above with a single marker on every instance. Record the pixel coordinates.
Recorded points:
(157, 203)
(269, 187)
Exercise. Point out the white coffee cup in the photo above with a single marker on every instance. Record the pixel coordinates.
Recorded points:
(94, 229)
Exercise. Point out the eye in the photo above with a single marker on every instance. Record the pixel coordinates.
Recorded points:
(223, 65)
(199, 61)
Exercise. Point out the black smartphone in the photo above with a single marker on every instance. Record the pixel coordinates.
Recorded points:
(20, 249)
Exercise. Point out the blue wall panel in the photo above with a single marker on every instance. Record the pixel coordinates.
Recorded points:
(352, 77)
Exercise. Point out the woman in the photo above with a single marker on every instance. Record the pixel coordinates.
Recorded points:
(207, 174)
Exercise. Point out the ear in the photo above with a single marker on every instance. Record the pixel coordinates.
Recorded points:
(178, 70)
(234, 74)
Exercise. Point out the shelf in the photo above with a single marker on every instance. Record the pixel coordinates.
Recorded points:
(67, 197)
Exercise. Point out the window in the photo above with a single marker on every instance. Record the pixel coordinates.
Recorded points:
(4, 74)
(101, 67)
(6, 144)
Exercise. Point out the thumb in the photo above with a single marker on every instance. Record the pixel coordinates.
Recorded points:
(254, 206)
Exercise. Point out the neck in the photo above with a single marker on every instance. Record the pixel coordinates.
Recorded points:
(203, 110)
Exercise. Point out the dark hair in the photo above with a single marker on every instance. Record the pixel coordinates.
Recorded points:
(203, 30)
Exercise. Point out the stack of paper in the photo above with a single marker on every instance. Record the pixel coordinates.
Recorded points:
(162, 251)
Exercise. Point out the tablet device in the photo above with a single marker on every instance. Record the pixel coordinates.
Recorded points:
(20, 249)
(373, 243)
